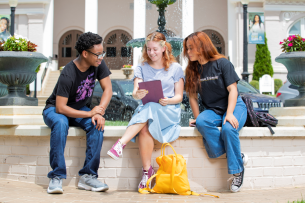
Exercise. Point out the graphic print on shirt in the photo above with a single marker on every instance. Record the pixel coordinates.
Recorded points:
(209, 78)
(86, 88)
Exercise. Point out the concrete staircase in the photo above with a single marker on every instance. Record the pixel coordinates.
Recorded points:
(50, 81)
(289, 116)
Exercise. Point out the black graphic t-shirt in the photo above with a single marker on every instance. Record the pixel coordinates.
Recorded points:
(215, 77)
(77, 86)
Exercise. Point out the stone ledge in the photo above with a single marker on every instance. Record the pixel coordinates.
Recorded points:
(118, 131)
(21, 120)
(21, 110)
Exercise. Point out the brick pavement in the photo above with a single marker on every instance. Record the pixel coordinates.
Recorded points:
(15, 191)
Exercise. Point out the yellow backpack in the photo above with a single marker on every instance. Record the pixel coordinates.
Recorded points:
(171, 176)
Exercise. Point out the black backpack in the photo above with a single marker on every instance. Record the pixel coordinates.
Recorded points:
(258, 119)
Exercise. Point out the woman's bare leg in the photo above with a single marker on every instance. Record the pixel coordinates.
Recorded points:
(131, 131)
(146, 147)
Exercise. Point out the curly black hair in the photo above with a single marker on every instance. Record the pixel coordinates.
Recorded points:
(87, 41)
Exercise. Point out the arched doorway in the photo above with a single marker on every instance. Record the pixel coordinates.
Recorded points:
(66, 50)
(217, 40)
(117, 54)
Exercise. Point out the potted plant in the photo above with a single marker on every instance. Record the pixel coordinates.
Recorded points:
(293, 59)
(127, 70)
(18, 62)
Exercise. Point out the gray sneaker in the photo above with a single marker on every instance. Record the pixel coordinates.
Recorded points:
(90, 182)
(55, 186)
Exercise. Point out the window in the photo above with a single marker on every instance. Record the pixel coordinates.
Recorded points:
(66, 52)
(125, 51)
(111, 52)
(298, 28)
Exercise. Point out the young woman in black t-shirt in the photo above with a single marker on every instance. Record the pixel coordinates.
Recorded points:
(212, 76)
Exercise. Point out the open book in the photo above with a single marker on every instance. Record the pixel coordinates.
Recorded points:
(155, 92)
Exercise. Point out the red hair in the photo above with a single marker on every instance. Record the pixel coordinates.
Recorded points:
(205, 50)
(168, 57)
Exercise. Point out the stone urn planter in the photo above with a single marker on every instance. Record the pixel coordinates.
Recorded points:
(17, 69)
(295, 64)
(3, 90)
(127, 72)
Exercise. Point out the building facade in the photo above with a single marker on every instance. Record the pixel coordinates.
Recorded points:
(54, 25)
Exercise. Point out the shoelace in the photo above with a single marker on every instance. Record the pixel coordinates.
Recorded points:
(144, 179)
(55, 179)
(118, 148)
(236, 180)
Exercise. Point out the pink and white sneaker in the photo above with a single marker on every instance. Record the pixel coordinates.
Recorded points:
(145, 176)
(117, 150)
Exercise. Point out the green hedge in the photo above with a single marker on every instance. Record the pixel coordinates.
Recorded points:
(255, 84)
(277, 84)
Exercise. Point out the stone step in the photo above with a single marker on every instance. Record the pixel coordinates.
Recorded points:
(118, 131)
(22, 119)
(291, 121)
(287, 111)
(20, 110)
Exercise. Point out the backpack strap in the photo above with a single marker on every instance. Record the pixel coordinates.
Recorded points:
(272, 132)
(196, 194)
(147, 190)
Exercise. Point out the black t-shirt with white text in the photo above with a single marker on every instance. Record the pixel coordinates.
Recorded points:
(215, 77)
(77, 86)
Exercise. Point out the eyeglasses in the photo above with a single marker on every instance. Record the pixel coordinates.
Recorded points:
(98, 55)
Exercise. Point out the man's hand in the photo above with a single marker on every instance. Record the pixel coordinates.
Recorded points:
(100, 121)
(231, 119)
(97, 110)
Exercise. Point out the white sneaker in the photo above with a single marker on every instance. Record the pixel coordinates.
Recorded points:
(245, 159)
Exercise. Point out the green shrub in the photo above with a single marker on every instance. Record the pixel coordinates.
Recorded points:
(277, 84)
(255, 84)
(262, 64)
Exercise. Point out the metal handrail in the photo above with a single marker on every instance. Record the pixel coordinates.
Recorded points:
(45, 69)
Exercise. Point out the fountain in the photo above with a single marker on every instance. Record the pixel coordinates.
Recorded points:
(174, 41)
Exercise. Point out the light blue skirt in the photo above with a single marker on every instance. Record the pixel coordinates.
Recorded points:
(163, 121)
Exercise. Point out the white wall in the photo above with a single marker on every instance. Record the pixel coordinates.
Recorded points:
(68, 15)
(212, 15)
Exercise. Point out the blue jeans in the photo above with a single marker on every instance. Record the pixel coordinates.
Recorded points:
(225, 141)
(59, 125)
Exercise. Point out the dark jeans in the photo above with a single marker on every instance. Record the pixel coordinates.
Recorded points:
(59, 125)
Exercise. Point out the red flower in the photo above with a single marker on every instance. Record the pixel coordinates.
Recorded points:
(281, 42)
(290, 44)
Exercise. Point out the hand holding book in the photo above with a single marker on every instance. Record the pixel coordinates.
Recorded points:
(140, 93)
(154, 92)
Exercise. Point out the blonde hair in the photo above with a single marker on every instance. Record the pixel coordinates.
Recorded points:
(168, 57)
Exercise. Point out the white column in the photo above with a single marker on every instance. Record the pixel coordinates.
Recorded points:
(139, 18)
(187, 21)
(91, 16)
(48, 30)
(232, 33)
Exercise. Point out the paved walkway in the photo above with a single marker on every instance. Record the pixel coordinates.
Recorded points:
(13, 191)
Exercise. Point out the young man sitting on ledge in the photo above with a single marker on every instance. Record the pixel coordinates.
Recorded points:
(67, 107)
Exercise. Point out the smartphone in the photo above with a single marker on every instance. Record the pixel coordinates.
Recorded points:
(193, 124)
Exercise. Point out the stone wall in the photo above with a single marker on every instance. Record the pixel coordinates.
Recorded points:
(275, 161)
